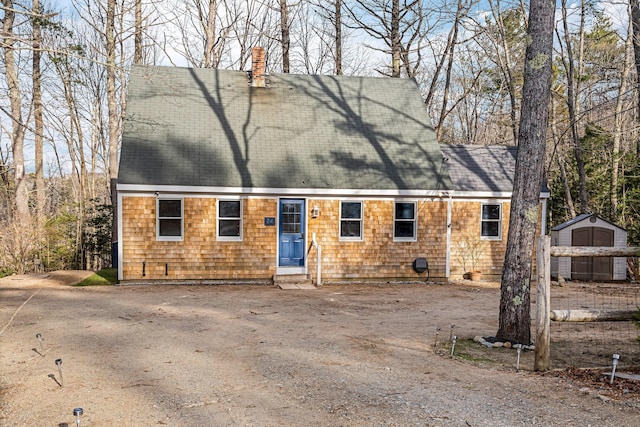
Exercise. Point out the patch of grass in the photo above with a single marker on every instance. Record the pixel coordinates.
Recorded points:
(106, 276)
(470, 351)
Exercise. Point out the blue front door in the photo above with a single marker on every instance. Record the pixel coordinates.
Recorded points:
(291, 239)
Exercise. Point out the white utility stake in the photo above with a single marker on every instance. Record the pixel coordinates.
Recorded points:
(519, 348)
(453, 344)
(616, 357)
(77, 412)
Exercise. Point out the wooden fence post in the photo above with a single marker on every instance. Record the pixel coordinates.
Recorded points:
(542, 360)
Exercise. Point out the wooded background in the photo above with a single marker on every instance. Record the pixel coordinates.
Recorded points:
(64, 78)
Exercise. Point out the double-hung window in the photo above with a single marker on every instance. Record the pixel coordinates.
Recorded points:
(169, 219)
(351, 221)
(230, 220)
(491, 222)
(405, 222)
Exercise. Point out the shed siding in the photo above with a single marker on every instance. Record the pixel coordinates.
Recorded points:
(562, 267)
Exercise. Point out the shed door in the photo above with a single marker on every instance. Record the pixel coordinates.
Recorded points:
(291, 238)
(592, 268)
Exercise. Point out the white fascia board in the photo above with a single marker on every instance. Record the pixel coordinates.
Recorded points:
(491, 195)
(481, 195)
(322, 192)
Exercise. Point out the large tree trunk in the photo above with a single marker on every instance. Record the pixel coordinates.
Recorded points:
(338, 37)
(617, 132)
(635, 19)
(17, 126)
(38, 125)
(515, 297)
(210, 60)
(137, 49)
(114, 122)
(396, 47)
(286, 41)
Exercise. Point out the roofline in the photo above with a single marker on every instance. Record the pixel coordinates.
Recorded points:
(491, 194)
(584, 216)
(258, 191)
(137, 188)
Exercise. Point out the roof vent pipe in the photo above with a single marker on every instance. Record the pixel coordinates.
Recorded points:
(258, 67)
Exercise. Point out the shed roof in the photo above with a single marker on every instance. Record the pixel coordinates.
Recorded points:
(208, 127)
(583, 217)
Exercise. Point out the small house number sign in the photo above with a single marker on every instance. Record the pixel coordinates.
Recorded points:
(269, 221)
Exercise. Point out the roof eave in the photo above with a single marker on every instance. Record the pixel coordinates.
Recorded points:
(256, 191)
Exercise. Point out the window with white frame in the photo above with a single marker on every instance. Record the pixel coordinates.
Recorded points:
(229, 220)
(405, 222)
(491, 222)
(351, 221)
(169, 219)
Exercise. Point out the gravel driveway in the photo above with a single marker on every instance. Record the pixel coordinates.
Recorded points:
(359, 355)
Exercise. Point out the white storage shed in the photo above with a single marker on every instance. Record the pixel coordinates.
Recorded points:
(589, 230)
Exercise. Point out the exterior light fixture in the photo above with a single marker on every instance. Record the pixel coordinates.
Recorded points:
(315, 212)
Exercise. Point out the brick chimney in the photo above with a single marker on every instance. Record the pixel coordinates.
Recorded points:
(258, 65)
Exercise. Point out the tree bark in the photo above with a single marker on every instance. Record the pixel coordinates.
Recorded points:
(396, 47)
(286, 41)
(17, 126)
(515, 296)
(338, 37)
(635, 19)
(592, 315)
(210, 60)
(38, 124)
(137, 50)
(618, 125)
(112, 106)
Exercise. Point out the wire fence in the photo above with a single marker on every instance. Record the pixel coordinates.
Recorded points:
(587, 344)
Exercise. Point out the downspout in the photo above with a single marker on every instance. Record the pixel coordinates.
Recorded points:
(119, 244)
(543, 222)
(314, 244)
(447, 272)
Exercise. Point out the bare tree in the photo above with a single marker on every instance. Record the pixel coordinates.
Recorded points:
(112, 104)
(137, 54)
(398, 26)
(329, 30)
(15, 99)
(285, 39)
(38, 124)
(515, 288)
(635, 19)
(618, 120)
(573, 90)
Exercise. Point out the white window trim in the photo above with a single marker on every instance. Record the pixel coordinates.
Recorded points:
(415, 222)
(218, 218)
(169, 238)
(361, 219)
(499, 221)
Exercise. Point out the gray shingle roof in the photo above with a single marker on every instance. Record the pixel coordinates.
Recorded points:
(580, 218)
(207, 127)
(481, 168)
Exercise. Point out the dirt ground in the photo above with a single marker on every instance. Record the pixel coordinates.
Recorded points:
(358, 355)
